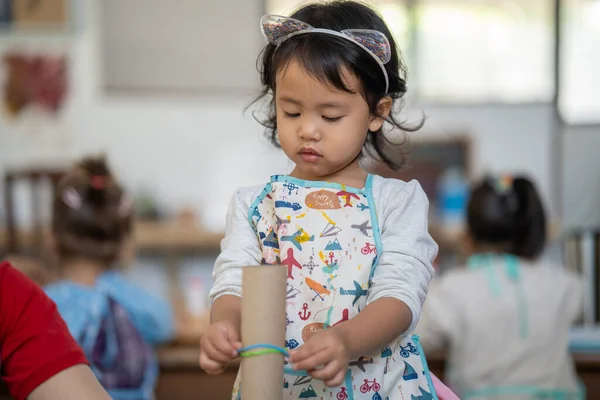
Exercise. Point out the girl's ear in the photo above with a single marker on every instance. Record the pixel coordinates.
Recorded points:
(384, 107)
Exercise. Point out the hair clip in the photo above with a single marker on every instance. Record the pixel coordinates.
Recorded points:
(504, 184)
(72, 198)
(98, 182)
(277, 29)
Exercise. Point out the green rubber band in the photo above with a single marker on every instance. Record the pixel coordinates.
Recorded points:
(259, 352)
(263, 348)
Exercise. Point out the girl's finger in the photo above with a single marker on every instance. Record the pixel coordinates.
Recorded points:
(305, 351)
(328, 372)
(214, 353)
(338, 380)
(224, 345)
(312, 362)
(211, 367)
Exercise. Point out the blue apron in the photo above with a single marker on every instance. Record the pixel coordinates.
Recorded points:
(119, 354)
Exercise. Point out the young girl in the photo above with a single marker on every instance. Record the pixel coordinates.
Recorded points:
(114, 321)
(356, 246)
(505, 318)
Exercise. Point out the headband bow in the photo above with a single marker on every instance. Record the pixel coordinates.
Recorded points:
(277, 29)
(504, 184)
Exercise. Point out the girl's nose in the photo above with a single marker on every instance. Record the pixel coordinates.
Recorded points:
(309, 130)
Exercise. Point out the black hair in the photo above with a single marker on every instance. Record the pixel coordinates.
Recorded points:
(91, 214)
(322, 56)
(511, 216)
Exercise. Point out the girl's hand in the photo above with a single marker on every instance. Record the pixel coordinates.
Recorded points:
(325, 356)
(218, 346)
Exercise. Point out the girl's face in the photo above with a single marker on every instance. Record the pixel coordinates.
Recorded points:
(322, 129)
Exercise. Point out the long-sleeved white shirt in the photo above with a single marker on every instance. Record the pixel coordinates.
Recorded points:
(482, 331)
(404, 269)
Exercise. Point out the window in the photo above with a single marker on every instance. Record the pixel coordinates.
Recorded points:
(579, 100)
(484, 51)
(470, 50)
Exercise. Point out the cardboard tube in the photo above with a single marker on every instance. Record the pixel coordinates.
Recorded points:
(263, 321)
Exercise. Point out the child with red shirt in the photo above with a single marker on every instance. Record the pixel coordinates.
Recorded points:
(39, 360)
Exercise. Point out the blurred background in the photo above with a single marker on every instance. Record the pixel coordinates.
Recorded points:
(160, 87)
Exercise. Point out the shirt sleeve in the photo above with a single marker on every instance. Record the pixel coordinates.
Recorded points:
(441, 320)
(35, 343)
(151, 315)
(239, 248)
(404, 269)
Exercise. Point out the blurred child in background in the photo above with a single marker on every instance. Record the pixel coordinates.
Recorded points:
(115, 322)
(505, 318)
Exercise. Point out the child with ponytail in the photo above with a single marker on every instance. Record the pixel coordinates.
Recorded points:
(114, 321)
(505, 318)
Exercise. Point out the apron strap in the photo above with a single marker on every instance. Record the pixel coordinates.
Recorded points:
(369, 183)
(512, 270)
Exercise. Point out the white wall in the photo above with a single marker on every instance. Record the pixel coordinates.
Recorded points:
(198, 152)
(506, 138)
(581, 177)
(195, 151)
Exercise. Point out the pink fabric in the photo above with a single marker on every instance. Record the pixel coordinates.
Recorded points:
(443, 392)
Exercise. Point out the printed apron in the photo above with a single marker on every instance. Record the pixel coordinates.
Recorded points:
(329, 238)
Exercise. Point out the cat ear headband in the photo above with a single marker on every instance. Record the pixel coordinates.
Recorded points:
(277, 29)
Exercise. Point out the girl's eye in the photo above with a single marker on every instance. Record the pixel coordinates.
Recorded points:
(291, 115)
(332, 119)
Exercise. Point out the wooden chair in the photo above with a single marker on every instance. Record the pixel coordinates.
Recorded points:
(17, 241)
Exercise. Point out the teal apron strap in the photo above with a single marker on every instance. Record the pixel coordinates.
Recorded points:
(512, 270)
(511, 264)
(484, 261)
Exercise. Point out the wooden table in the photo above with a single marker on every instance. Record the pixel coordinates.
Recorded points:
(181, 378)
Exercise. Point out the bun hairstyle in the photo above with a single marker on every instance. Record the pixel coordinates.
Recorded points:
(91, 213)
(508, 212)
